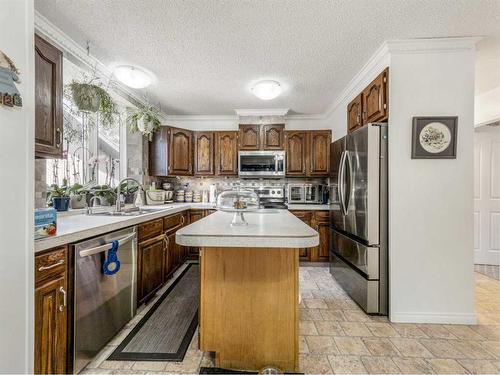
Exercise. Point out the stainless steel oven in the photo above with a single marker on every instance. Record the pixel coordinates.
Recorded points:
(261, 163)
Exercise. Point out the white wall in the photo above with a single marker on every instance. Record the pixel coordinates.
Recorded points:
(487, 85)
(17, 192)
(487, 107)
(431, 201)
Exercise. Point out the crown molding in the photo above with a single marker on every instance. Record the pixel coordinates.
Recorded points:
(68, 46)
(202, 117)
(370, 70)
(438, 45)
(382, 58)
(262, 112)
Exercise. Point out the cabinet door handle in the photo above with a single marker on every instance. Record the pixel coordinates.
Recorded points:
(166, 240)
(182, 220)
(63, 292)
(58, 137)
(44, 268)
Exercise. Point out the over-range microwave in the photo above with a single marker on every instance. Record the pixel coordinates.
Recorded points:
(261, 163)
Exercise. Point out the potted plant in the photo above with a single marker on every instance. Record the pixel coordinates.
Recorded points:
(105, 193)
(78, 196)
(129, 192)
(59, 197)
(144, 119)
(90, 97)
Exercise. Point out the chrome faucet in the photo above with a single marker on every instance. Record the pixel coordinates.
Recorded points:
(118, 192)
(91, 204)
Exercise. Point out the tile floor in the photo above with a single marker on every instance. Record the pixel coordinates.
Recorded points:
(337, 337)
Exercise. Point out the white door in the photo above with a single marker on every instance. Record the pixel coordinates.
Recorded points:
(487, 195)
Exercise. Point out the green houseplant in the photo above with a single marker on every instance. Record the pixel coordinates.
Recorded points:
(106, 194)
(90, 97)
(59, 197)
(78, 195)
(144, 119)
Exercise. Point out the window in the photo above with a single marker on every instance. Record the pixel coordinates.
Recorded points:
(92, 152)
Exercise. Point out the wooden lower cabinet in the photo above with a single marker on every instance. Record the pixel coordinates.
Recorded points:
(51, 316)
(195, 215)
(150, 267)
(319, 221)
(158, 255)
(305, 216)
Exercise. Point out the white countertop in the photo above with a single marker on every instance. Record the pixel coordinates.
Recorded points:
(316, 207)
(266, 228)
(76, 226)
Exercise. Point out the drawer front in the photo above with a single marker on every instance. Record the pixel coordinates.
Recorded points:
(173, 221)
(364, 258)
(364, 292)
(51, 263)
(322, 216)
(150, 229)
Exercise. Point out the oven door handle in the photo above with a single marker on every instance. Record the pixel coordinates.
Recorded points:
(106, 247)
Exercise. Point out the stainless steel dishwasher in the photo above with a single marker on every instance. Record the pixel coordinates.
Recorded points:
(103, 304)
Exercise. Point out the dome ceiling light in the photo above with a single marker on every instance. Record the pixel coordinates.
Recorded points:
(133, 76)
(267, 90)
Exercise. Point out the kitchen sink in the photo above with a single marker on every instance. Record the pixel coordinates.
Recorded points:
(141, 211)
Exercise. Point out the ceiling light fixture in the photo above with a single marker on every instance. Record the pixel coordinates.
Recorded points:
(267, 90)
(133, 76)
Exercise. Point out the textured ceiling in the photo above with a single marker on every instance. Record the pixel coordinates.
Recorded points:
(206, 53)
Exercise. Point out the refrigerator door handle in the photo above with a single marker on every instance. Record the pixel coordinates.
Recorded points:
(349, 182)
(341, 183)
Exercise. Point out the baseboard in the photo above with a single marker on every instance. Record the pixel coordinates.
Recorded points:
(452, 318)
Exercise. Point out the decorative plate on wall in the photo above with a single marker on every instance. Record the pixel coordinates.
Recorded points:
(434, 138)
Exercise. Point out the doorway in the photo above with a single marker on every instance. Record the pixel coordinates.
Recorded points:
(487, 222)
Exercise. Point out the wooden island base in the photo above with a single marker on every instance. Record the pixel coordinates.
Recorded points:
(249, 303)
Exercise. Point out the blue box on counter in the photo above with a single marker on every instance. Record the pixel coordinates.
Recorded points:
(45, 222)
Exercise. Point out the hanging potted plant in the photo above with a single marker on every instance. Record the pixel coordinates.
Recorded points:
(89, 97)
(144, 119)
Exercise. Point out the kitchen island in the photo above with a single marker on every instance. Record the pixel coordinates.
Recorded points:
(249, 287)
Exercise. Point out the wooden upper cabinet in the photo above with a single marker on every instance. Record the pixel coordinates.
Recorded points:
(158, 152)
(204, 152)
(48, 100)
(319, 152)
(355, 114)
(227, 153)
(273, 137)
(296, 152)
(181, 152)
(249, 137)
(171, 152)
(375, 105)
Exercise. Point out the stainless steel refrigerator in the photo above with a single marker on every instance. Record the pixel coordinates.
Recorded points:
(358, 216)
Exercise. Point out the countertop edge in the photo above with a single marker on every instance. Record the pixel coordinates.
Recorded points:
(64, 239)
(248, 241)
(79, 235)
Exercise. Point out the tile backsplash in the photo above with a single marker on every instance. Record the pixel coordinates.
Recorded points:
(225, 183)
